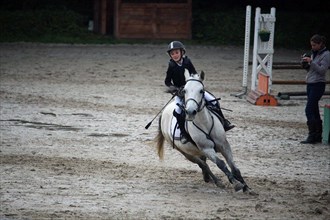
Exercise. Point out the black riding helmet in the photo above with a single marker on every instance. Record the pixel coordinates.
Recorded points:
(176, 45)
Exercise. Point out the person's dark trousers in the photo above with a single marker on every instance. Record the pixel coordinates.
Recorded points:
(318, 131)
(312, 111)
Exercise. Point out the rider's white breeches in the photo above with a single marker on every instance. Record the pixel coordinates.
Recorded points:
(208, 97)
(178, 101)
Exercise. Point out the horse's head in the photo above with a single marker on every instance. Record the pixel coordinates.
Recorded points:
(193, 94)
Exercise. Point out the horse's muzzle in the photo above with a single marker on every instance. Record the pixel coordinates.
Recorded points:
(191, 109)
(190, 114)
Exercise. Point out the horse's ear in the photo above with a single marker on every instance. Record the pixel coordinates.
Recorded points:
(186, 74)
(202, 76)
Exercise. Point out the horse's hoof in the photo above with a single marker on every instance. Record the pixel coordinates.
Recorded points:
(220, 184)
(238, 186)
(206, 178)
(250, 192)
(253, 193)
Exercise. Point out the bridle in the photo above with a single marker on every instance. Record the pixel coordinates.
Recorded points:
(200, 103)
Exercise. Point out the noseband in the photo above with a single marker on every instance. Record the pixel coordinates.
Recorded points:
(200, 103)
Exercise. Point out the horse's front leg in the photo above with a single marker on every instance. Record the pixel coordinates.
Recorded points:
(211, 154)
(237, 174)
(227, 154)
(207, 173)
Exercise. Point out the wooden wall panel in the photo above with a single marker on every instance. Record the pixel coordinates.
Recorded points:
(153, 20)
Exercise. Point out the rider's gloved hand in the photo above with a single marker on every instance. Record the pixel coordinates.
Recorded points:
(180, 92)
(173, 89)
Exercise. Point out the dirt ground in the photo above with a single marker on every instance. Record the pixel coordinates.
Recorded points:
(74, 146)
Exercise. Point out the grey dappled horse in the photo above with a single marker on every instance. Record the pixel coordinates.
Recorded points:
(206, 131)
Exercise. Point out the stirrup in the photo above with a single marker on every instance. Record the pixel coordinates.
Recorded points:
(183, 139)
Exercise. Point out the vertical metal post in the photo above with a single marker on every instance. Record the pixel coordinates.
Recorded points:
(271, 45)
(246, 45)
(255, 50)
(246, 52)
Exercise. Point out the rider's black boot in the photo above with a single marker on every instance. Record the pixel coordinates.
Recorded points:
(181, 122)
(226, 124)
(311, 138)
(318, 131)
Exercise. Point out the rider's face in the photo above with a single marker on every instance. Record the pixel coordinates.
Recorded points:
(175, 54)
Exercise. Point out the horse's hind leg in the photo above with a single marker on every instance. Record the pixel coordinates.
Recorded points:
(207, 172)
(203, 166)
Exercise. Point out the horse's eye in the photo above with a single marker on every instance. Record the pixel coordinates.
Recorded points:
(202, 91)
(182, 92)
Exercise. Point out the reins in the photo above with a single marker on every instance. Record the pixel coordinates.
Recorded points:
(208, 135)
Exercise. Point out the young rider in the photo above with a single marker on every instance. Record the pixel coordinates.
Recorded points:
(175, 80)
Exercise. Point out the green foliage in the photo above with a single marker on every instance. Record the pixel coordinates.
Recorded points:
(264, 31)
(223, 27)
(216, 27)
(40, 25)
(292, 29)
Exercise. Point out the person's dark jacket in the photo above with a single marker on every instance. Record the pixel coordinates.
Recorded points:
(175, 72)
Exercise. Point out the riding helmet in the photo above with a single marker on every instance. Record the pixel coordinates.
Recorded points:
(176, 45)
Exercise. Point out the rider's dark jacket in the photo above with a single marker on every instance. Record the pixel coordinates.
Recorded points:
(175, 73)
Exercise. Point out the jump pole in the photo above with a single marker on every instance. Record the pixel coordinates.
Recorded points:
(292, 82)
(246, 52)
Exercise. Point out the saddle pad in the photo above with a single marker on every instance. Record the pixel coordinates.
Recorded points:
(177, 131)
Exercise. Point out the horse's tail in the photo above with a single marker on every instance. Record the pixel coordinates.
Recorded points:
(160, 141)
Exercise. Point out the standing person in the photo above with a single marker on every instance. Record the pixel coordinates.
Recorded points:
(175, 80)
(317, 66)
